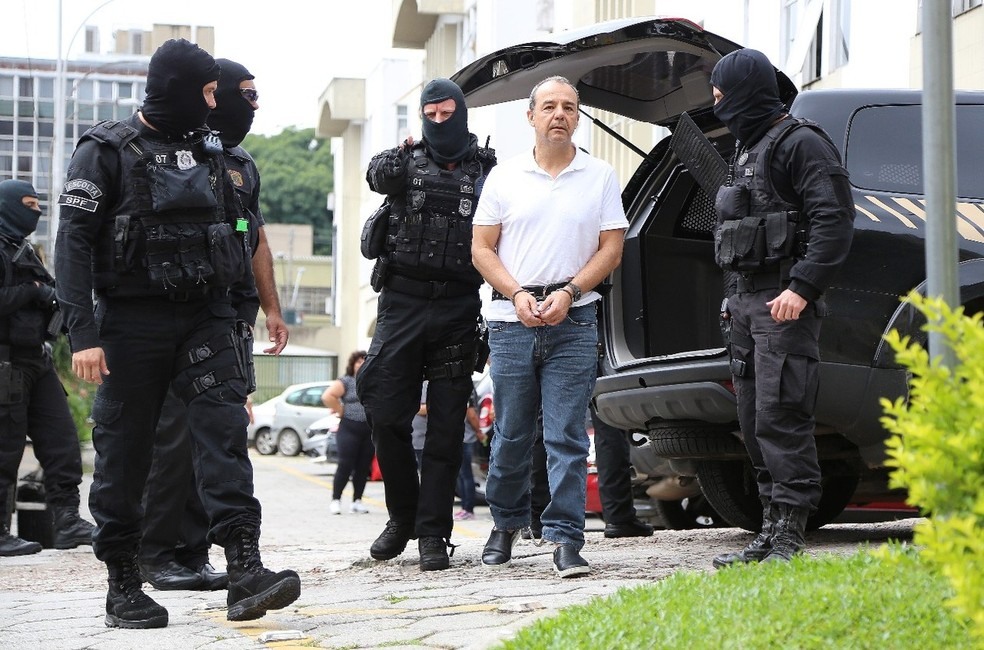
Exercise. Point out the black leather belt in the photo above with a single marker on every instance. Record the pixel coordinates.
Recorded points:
(752, 282)
(429, 289)
(539, 293)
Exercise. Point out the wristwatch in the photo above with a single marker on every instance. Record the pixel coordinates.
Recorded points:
(575, 291)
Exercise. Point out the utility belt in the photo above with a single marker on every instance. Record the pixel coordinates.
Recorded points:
(204, 294)
(538, 292)
(752, 282)
(430, 289)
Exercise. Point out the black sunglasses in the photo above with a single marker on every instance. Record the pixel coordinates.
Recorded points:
(250, 94)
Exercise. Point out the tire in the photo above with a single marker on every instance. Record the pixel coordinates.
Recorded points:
(289, 443)
(731, 490)
(264, 442)
(696, 440)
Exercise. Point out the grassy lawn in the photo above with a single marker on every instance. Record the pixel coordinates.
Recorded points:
(860, 601)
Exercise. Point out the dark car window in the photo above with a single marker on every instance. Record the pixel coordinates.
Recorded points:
(306, 397)
(884, 149)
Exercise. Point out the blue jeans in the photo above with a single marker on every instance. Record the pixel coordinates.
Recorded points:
(556, 366)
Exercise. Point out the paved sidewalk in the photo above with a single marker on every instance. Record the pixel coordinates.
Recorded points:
(55, 599)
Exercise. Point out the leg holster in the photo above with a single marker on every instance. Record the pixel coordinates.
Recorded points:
(208, 378)
(451, 361)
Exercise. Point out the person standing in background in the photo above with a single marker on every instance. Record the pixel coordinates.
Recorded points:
(354, 437)
(32, 398)
(466, 479)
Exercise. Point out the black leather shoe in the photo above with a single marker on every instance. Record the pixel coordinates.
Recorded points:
(212, 580)
(568, 562)
(391, 541)
(630, 528)
(498, 550)
(433, 553)
(171, 576)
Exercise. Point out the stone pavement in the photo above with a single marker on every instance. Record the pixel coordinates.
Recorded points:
(55, 599)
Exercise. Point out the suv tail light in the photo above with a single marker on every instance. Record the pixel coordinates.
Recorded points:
(486, 414)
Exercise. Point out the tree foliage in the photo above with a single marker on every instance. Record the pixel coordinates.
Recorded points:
(937, 450)
(296, 177)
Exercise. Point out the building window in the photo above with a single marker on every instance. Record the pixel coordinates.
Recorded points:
(92, 39)
(25, 87)
(402, 126)
(960, 6)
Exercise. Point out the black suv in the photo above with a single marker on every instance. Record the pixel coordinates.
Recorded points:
(667, 372)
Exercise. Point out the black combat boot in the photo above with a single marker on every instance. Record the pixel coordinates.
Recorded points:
(392, 541)
(127, 606)
(254, 589)
(788, 539)
(10, 545)
(759, 547)
(71, 530)
(434, 553)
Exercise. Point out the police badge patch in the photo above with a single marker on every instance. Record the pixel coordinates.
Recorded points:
(236, 177)
(185, 160)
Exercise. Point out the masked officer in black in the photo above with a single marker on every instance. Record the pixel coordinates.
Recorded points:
(426, 325)
(174, 546)
(786, 220)
(32, 399)
(148, 223)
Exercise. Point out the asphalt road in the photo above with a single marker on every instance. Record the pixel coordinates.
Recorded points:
(351, 601)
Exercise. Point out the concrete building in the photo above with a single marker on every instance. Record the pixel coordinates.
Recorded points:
(818, 43)
(97, 86)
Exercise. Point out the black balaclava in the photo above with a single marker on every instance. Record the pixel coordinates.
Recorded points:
(449, 141)
(751, 94)
(17, 221)
(178, 71)
(232, 116)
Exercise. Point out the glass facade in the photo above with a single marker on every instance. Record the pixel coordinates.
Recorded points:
(94, 91)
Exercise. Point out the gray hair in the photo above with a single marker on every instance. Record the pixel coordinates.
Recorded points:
(558, 79)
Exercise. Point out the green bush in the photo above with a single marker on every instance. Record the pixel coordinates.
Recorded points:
(937, 450)
(864, 601)
(80, 394)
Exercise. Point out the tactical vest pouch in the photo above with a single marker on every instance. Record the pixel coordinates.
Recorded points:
(435, 235)
(379, 272)
(11, 384)
(373, 242)
(406, 244)
(739, 245)
(180, 189)
(225, 251)
(732, 202)
(125, 253)
(177, 258)
(780, 235)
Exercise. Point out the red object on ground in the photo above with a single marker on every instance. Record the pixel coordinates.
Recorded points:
(375, 474)
(592, 502)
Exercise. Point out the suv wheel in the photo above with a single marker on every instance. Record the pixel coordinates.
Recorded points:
(289, 443)
(265, 442)
(731, 489)
(679, 439)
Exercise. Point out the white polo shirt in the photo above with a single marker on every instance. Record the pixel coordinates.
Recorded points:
(549, 228)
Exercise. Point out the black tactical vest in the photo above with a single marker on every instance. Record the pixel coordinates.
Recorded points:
(433, 232)
(757, 229)
(168, 231)
(26, 327)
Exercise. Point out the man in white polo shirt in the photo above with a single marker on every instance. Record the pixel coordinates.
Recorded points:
(548, 230)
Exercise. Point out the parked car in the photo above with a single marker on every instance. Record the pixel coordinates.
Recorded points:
(666, 369)
(277, 422)
(319, 439)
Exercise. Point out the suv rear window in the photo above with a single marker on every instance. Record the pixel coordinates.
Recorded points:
(884, 150)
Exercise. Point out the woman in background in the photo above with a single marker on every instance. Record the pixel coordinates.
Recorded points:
(354, 436)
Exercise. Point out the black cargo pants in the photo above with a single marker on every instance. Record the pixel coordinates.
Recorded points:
(42, 415)
(175, 525)
(146, 342)
(409, 331)
(776, 368)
